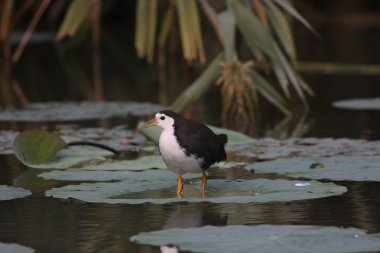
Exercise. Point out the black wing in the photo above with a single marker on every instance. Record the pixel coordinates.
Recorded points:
(197, 139)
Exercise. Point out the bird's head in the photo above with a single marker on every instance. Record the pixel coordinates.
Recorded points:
(162, 119)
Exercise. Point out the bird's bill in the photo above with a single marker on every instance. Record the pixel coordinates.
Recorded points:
(149, 123)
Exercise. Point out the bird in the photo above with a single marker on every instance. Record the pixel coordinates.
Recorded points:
(187, 145)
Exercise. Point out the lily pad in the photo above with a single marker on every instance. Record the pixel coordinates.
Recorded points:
(158, 188)
(70, 157)
(10, 192)
(269, 148)
(43, 150)
(142, 163)
(77, 111)
(336, 168)
(14, 248)
(359, 104)
(37, 146)
(6, 142)
(119, 138)
(264, 238)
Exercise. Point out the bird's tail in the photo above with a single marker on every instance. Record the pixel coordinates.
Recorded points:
(223, 139)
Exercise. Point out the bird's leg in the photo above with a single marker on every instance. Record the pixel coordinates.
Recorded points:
(180, 185)
(204, 182)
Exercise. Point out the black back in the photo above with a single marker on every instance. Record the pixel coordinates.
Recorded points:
(199, 140)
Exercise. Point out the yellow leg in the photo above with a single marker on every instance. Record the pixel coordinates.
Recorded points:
(180, 184)
(204, 182)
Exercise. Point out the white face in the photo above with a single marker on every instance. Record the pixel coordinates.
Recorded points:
(165, 122)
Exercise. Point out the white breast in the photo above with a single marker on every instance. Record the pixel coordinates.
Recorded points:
(174, 156)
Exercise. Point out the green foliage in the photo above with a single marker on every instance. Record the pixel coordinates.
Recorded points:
(37, 146)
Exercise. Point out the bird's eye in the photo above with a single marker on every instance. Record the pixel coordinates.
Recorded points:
(162, 117)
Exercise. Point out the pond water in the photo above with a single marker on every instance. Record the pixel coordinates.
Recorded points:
(55, 225)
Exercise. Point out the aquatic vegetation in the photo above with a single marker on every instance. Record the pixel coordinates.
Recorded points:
(264, 238)
(68, 111)
(335, 168)
(358, 104)
(11, 192)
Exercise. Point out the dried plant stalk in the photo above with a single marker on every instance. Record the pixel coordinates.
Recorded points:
(239, 109)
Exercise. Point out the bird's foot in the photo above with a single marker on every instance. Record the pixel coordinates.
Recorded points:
(179, 195)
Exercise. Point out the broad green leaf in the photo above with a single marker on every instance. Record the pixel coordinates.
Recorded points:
(14, 248)
(359, 104)
(10, 192)
(337, 168)
(270, 93)
(269, 148)
(227, 24)
(142, 163)
(69, 111)
(234, 137)
(109, 175)
(37, 146)
(158, 188)
(75, 17)
(264, 239)
(68, 158)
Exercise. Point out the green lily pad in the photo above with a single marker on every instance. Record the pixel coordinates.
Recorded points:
(83, 175)
(14, 248)
(37, 146)
(142, 163)
(70, 157)
(269, 148)
(264, 238)
(359, 104)
(10, 192)
(337, 168)
(77, 111)
(158, 188)
(43, 150)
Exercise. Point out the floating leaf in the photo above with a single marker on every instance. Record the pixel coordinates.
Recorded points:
(6, 142)
(68, 158)
(103, 176)
(142, 163)
(158, 188)
(14, 248)
(10, 192)
(359, 104)
(264, 238)
(37, 146)
(269, 148)
(337, 168)
(77, 111)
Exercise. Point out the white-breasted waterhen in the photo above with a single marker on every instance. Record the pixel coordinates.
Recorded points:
(187, 145)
